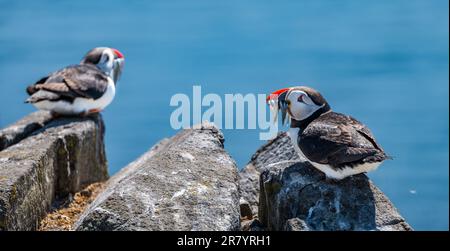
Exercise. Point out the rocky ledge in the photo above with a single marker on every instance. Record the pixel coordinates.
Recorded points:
(187, 182)
(43, 160)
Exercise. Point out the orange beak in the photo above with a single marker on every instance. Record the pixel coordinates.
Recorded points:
(118, 53)
(275, 94)
(277, 101)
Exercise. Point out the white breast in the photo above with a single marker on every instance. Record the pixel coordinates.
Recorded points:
(329, 171)
(100, 103)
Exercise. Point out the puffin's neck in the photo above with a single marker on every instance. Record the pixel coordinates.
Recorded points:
(110, 72)
(302, 124)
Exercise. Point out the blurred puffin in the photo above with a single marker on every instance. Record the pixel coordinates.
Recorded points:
(80, 89)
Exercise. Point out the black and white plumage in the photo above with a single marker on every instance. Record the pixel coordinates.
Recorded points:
(80, 89)
(336, 144)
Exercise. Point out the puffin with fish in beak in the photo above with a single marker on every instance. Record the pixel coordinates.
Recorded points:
(336, 144)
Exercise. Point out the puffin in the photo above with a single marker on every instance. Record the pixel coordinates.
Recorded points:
(334, 143)
(81, 89)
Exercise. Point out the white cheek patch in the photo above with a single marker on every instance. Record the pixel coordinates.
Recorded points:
(302, 110)
(106, 65)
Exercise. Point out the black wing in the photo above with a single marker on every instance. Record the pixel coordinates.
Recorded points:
(85, 81)
(339, 140)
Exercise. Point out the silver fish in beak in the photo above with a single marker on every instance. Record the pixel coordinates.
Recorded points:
(277, 102)
(118, 67)
(118, 63)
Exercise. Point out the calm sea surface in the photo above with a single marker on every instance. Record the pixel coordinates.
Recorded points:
(383, 62)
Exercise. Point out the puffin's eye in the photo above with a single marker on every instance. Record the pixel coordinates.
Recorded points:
(300, 99)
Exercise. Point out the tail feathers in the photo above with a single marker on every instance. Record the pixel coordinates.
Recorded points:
(32, 100)
(31, 89)
(385, 156)
(378, 157)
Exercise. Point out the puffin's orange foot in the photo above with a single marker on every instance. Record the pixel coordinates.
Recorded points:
(88, 112)
(94, 111)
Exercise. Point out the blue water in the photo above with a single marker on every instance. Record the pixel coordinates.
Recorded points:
(383, 62)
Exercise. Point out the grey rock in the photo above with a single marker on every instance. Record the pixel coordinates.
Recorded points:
(187, 182)
(292, 189)
(249, 187)
(252, 225)
(278, 149)
(22, 128)
(296, 224)
(44, 159)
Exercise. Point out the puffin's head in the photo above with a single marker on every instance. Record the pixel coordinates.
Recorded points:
(108, 60)
(299, 103)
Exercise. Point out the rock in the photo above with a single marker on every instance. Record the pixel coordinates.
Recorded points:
(278, 149)
(292, 189)
(296, 224)
(22, 128)
(45, 159)
(187, 182)
(249, 187)
(252, 225)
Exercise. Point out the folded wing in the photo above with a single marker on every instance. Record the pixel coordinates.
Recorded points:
(339, 140)
(79, 81)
